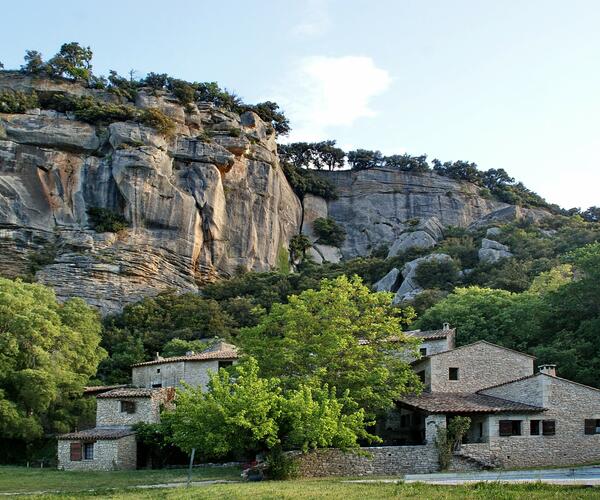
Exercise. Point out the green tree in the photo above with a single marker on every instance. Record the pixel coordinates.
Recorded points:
(329, 231)
(34, 64)
(363, 159)
(338, 335)
(299, 244)
(72, 61)
(48, 352)
(442, 275)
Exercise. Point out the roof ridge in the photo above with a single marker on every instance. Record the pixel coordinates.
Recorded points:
(482, 341)
(510, 381)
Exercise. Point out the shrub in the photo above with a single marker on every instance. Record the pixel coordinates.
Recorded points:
(12, 101)
(329, 231)
(306, 182)
(299, 244)
(106, 221)
(448, 439)
(155, 118)
(280, 465)
(434, 274)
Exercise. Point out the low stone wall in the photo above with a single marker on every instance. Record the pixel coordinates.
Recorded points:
(377, 460)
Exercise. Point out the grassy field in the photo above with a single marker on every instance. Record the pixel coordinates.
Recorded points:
(117, 485)
(21, 479)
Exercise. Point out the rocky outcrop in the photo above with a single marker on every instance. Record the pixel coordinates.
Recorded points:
(376, 206)
(198, 206)
(410, 288)
(491, 251)
(388, 282)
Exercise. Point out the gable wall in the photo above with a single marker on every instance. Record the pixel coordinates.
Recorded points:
(480, 365)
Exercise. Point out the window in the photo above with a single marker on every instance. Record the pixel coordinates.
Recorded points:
(592, 425)
(158, 370)
(534, 427)
(509, 427)
(423, 351)
(548, 427)
(156, 386)
(75, 452)
(88, 451)
(225, 364)
(452, 373)
(127, 406)
(421, 376)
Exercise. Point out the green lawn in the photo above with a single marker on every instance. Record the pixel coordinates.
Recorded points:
(21, 479)
(297, 489)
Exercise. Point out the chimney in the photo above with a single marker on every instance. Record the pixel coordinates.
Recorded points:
(190, 353)
(157, 356)
(446, 326)
(548, 370)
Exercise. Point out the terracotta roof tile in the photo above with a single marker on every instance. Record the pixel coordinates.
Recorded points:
(98, 433)
(95, 389)
(431, 334)
(461, 402)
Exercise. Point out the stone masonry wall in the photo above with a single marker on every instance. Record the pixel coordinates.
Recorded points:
(479, 365)
(384, 460)
(171, 374)
(108, 411)
(109, 454)
(568, 404)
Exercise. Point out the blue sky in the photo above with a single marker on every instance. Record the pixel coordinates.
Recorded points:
(507, 84)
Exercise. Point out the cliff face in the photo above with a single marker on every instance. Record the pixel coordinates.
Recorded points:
(376, 206)
(198, 206)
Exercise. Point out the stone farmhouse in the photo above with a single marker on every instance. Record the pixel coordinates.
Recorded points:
(519, 416)
(111, 444)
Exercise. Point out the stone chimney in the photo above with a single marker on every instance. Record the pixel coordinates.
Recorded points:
(190, 353)
(446, 326)
(157, 356)
(548, 370)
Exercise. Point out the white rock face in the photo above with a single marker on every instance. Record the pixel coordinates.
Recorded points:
(491, 251)
(493, 231)
(388, 282)
(409, 288)
(314, 207)
(196, 211)
(325, 253)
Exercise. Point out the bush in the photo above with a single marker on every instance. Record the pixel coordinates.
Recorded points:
(441, 275)
(12, 101)
(106, 221)
(281, 466)
(329, 231)
(306, 182)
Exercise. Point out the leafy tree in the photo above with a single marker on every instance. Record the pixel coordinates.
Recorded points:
(433, 274)
(317, 155)
(329, 231)
(363, 159)
(245, 413)
(318, 337)
(304, 181)
(48, 352)
(156, 81)
(34, 64)
(299, 244)
(407, 163)
(72, 60)
(178, 347)
(271, 113)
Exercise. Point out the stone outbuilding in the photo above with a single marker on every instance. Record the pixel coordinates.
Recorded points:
(111, 444)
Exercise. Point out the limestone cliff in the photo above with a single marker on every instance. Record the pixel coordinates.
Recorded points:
(198, 205)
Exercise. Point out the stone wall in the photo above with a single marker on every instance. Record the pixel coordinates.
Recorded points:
(194, 373)
(383, 460)
(568, 404)
(109, 454)
(479, 365)
(147, 409)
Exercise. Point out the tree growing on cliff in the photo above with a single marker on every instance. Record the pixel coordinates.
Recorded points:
(48, 352)
(341, 335)
(72, 61)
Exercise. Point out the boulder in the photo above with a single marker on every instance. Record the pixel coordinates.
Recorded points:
(432, 226)
(493, 231)
(325, 253)
(491, 251)
(388, 282)
(407, 241)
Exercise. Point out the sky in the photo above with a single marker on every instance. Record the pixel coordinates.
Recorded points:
(507, 84)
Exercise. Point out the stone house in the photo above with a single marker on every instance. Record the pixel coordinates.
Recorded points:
(111, 444)
(519, 417)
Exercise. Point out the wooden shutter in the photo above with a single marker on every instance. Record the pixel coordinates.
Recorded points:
(505, 427)
(590, 426)
(548, 427)
(75, 452)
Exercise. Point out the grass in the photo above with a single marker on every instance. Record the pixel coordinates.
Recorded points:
(301, 489)
(23, 480)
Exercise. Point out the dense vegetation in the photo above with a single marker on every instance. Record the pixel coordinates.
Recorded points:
(48, 352)
(74, 62)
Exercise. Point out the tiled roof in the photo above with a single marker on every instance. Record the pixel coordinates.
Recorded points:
(220, 351)
(462, 402)
(539, 374)
(431, 334)
(98, 433)
(95, 389)
(128, 392)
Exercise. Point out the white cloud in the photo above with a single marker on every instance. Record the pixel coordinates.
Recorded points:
(316, 21)
(322, 92)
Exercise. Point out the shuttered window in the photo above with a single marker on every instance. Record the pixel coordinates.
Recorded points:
(509, 427)
(548, 427)
(534, 427)
(75, 452)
